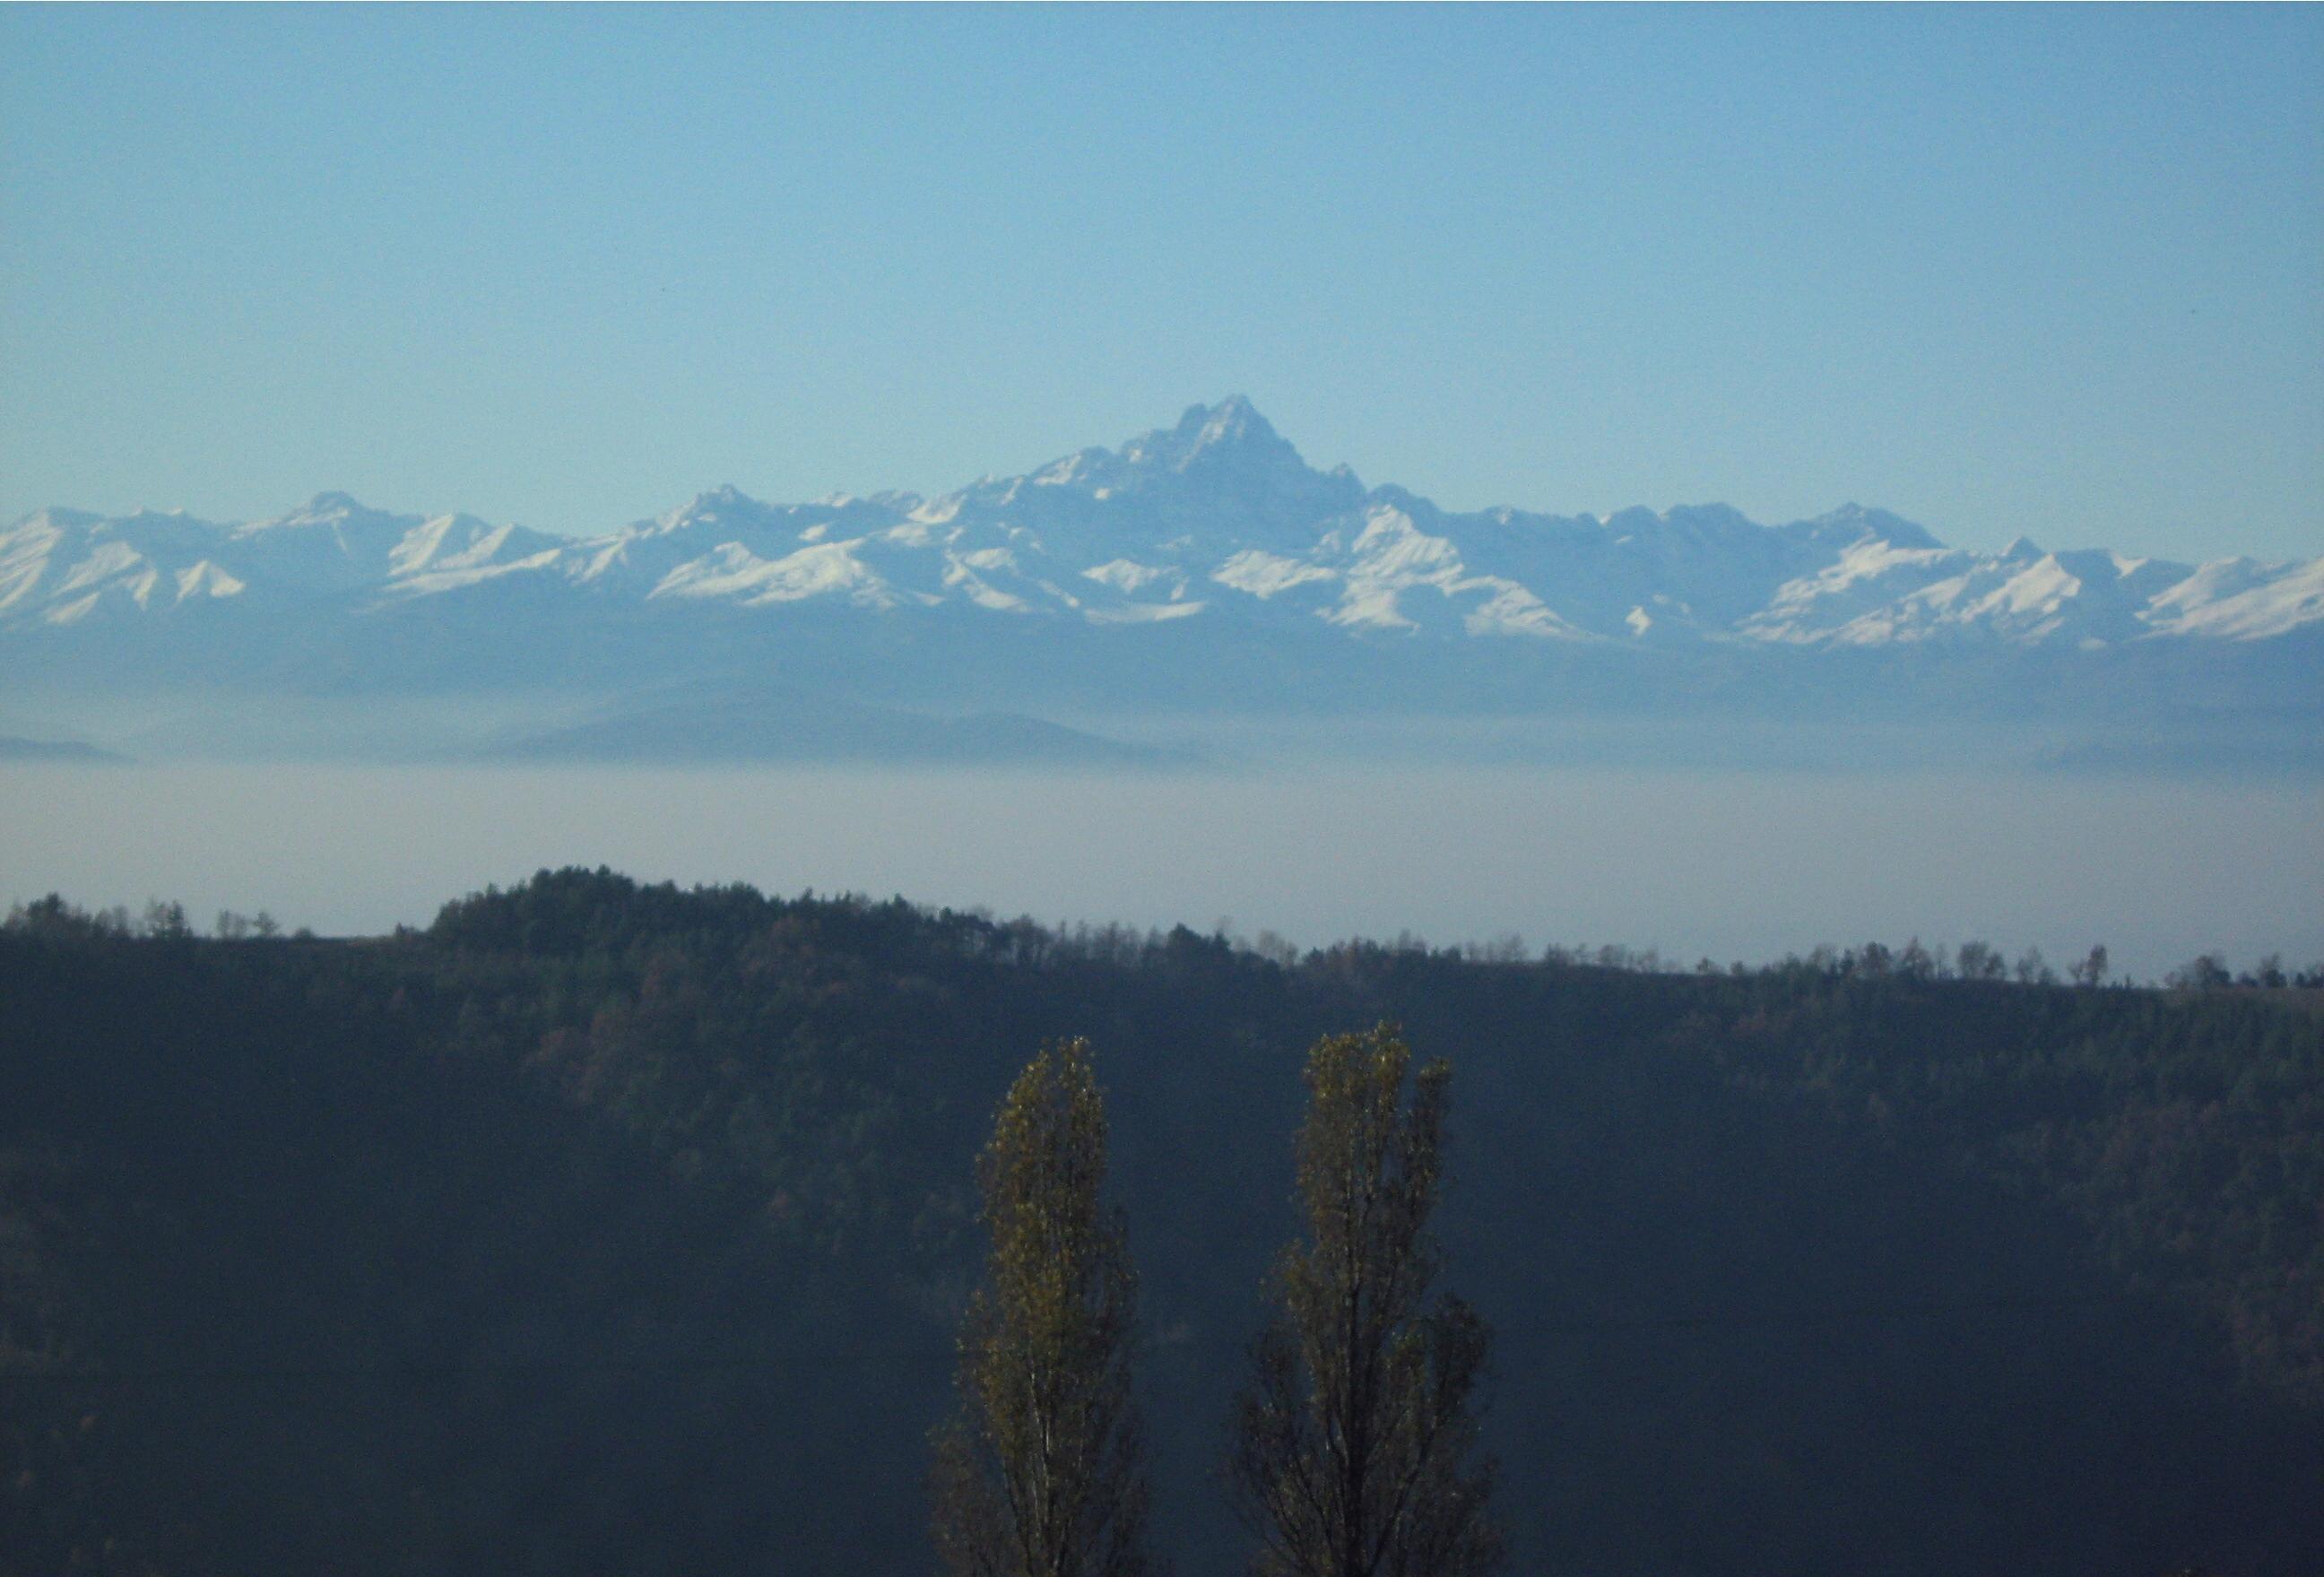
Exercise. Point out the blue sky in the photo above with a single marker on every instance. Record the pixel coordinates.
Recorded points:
(2059, 271)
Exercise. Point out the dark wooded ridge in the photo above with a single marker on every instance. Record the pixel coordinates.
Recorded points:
(609, 1227)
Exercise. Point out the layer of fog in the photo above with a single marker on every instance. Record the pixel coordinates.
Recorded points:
(1744, 865)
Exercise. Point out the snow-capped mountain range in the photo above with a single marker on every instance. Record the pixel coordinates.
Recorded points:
(1214, 522)
(1199, 591)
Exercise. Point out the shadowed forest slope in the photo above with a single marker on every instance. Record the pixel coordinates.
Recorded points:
(601, 1228)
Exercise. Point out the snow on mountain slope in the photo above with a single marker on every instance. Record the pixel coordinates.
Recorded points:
(1214, 518)
(333, 543)
(1876, 594)
(452, 551)
(63, 566)
(1381, 571)
(2237, 599)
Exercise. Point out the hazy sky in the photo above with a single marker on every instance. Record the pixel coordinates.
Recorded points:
(2056, 270)
(1737, 865)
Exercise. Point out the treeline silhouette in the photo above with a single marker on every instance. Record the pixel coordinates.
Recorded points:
(603, 1227)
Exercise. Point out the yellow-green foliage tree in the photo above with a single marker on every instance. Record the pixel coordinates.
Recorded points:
(1353, 1453)
(1040, 1473)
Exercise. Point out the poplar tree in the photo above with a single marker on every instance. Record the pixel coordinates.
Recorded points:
(1354, 1446)
(1040, 1472)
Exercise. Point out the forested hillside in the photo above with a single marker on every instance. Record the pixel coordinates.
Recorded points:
(601, 1228)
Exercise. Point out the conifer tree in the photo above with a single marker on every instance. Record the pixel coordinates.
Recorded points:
(1354, 1451)
(1041, 1473)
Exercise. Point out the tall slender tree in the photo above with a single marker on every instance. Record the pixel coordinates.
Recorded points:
(1041, 1471)
(1354, 1451)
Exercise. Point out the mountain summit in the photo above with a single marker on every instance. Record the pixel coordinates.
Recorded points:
(1231, 436)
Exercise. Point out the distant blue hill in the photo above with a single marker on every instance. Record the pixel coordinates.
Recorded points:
(787, 725)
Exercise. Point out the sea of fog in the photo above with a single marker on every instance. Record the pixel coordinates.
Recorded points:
(1739, 864)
